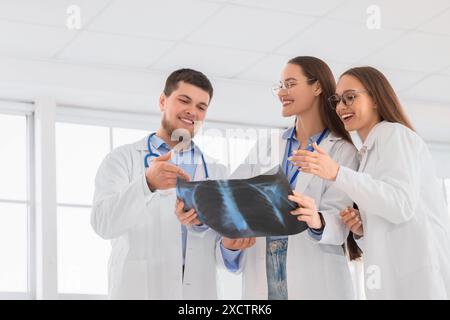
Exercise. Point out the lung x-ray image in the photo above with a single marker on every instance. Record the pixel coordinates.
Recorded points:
(239, 208)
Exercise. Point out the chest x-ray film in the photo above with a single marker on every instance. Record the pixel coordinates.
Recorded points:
(239, 208)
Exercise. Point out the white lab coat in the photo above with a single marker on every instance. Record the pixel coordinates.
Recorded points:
(406, 239)
(315, 269)
(146, 257)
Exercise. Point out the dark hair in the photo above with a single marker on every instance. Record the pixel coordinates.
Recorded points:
(354, 251)
(196, 78)
(382, 93)
(317, 70)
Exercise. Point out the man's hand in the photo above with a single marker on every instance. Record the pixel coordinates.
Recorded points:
(162, 175)
(187, 218)
(238, 244)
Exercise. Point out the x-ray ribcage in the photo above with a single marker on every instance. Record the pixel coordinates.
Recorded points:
(239, 208)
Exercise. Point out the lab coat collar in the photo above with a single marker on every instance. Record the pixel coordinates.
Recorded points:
(157, 143)
(368, 144)
(327, 141)
(141, 145)
(288, 133)
(304, 179)
(372, 136)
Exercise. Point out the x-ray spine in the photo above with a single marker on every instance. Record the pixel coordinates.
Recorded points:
(239, 208)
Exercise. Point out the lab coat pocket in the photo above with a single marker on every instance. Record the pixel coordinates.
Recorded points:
(406, 245)
(336, 273)
(335, 259)
(133, 284)
(333, 253)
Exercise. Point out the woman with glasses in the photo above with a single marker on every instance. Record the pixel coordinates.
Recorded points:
(312, 264)
(405, 229)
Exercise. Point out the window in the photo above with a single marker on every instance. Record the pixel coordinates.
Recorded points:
(14, 204)
(122, 136)
(79, 152)
(82, 254)
(230, 151)
(13, 246)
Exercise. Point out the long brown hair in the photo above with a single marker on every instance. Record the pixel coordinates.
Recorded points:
(382, 93)
(388, 107)
(317, 70)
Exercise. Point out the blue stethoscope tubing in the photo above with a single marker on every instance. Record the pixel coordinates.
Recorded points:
(310, 148)
(153, 154)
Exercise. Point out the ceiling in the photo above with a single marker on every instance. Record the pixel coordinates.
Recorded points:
(247, 40)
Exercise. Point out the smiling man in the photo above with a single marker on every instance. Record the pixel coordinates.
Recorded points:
(153, 255)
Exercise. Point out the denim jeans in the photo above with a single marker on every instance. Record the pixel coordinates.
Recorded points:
(276, 250)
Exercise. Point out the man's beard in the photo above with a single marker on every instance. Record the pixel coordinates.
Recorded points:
(177, 134)
(167, 127)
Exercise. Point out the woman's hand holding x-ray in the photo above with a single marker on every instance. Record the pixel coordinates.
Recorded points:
(307, 210)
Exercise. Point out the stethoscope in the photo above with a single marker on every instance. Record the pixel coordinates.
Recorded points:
(309, 148)
(153, 154)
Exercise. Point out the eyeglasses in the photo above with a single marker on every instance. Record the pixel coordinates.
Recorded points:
(347, 98)
(287, 85)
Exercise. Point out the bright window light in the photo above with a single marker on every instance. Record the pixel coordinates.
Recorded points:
(228, 151)
(79, 151)
(13, 247)
(13, 157)
(125, 136)
(82, 254)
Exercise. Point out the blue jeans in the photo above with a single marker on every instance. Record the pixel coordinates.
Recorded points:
(276, 250)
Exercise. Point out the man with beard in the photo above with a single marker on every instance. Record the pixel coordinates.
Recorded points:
(153, 255)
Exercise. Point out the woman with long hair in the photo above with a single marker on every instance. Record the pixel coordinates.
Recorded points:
(312, 264)
(402, 222)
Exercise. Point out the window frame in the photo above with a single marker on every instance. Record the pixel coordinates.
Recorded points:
(106, 119)
(25, 109)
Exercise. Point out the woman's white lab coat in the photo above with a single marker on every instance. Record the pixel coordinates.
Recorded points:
(406, 239)
(146, 257)
(315, 269)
